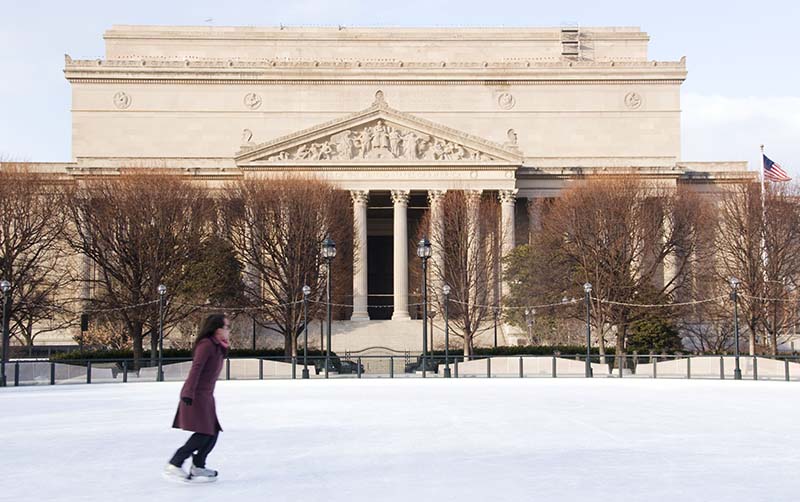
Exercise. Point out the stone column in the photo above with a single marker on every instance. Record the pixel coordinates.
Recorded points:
(400, 200)
(86, 279)
(473, 240)
(436, 236)
(534, 218)
(507, 201)
(360, 199)
(670, 267)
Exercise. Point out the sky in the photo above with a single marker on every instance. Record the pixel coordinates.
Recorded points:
(742, 90)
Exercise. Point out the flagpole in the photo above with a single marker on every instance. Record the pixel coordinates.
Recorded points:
(763, 213)
(763, 237)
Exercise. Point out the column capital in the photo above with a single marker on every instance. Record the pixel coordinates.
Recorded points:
(473, 196)
(435, 196)
(400, 197)
(507, 196)
(359, 196)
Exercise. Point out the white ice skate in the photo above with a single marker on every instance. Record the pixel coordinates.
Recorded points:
(202, 475)
(175, 474)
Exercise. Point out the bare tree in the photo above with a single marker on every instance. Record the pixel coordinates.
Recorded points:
(140, 229)
(470, 237)
(739, 240)
(759, 244)
(782, 258)
(277, 227)
(631, 240)
(33, 254)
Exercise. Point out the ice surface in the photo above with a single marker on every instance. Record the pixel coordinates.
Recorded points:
(413, 439)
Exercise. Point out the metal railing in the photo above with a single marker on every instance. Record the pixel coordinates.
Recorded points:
(44, 372)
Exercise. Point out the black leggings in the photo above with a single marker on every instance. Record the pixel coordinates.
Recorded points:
(200, 443)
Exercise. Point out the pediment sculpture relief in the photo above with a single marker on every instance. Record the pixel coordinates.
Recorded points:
(380, 141)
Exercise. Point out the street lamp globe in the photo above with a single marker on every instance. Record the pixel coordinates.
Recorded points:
(734, 282)
(306, 290)
(5, 286)
(328, 248)
(424, 248)
(162, 290)
(446, 289)
(587, 287)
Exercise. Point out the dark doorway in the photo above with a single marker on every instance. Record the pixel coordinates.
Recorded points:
(379, 276)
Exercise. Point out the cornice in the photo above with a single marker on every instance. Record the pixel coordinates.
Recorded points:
(227, 71)
(406, 166)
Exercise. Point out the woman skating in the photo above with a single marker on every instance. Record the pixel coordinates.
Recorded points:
(196, 410)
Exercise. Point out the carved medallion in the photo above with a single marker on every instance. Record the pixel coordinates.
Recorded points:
(633, 100)
(252, 100)
(122, 100)
(506, 101)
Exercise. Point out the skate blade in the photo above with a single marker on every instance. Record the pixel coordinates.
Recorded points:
(175, 479)
(203, 479)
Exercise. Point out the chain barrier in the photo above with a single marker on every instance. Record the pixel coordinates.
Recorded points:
(570, 302)
(764, 299)
(652, 305)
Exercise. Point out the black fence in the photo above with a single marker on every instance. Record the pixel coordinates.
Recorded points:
(76, 371)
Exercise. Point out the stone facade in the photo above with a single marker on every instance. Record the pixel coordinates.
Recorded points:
(387, 112)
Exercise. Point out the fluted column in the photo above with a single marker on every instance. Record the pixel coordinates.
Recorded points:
(360, 199)
(86, 279)
(400, 200)
(473, 242)
(507, 201)
(437, 238)
(534, 218)
(670, 267)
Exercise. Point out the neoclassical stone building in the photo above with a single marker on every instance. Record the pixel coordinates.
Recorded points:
(396, 116)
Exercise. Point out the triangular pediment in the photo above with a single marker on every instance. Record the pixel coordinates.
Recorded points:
(379, 135)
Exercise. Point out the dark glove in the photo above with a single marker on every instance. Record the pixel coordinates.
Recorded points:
(187, 401)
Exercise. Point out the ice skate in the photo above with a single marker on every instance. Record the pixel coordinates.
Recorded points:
(175, 474)
(202, 475)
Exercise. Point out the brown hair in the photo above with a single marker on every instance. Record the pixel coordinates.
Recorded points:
(210, 325)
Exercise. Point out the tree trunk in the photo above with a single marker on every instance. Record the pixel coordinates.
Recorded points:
(138, 347)
(469, 346)
(287, 344)
(601, 345)
(620, 347)
(29, 334)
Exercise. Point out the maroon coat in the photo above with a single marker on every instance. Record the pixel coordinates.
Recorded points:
(201, 416)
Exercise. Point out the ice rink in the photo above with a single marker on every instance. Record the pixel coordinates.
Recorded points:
(413, 440)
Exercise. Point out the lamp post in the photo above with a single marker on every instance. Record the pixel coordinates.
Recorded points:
(306, 292)
(424, 252)
(328, 254)
(5, 287)
(162, 290)
(446, 291)
(737, 372)
(587, 288)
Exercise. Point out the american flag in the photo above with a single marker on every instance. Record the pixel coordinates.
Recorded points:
(774, 172)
